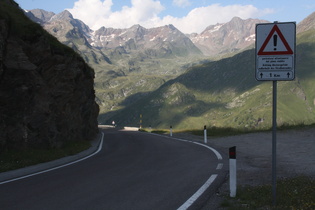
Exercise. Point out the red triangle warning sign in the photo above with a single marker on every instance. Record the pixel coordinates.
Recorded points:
(275, 46)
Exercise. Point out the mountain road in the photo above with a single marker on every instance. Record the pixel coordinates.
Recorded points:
(133, 170)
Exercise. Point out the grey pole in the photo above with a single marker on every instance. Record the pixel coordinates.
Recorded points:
(274, 144)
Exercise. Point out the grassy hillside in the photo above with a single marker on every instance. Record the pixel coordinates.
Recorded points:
(225, 93)
(131, 77)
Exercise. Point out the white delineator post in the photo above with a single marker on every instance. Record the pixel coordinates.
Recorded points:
(232, 160)
(205, 134)
(171, 131)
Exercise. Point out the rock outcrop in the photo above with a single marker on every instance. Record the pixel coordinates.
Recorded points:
(46, 89)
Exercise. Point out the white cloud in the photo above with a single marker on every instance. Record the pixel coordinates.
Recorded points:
(92, 11)
(97, 13)
(143, 12)
(181, 3)
(199, 18)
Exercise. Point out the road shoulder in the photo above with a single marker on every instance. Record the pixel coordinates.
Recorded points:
(15, 174)
(295, 156)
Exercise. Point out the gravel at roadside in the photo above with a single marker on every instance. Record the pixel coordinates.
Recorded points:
(295, 156)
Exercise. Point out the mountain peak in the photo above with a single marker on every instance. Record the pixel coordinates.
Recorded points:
(171, 26)
(64, 15)
(136, 27)
(226, 37)
(43, 15)
(236, 19)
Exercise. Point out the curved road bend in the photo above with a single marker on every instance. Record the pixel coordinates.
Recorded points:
(133, 171)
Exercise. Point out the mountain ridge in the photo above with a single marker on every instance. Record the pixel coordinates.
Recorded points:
(233, 98)
(207, 41)
(224, 93)
(232, 36)
(229, 37)
(132, 73)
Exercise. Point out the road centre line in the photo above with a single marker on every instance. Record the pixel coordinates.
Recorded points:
(57, 167)
(219, 166)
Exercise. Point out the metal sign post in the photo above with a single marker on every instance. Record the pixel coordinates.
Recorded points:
(274, 143)
(275, 60)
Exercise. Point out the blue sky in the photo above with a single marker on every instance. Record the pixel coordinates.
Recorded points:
(187, 15)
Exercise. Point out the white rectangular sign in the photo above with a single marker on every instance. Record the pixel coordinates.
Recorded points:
(275, 51)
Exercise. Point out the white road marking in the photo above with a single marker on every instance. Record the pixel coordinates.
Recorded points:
(204, 187)
(197, 194)
(57, 167)
(213, 150)
(219, 166)
(219, 156)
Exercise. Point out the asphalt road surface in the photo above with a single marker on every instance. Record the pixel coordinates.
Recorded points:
(132, 171)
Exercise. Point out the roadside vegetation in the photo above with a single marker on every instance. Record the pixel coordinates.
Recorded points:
(213, 131)
(292, 193)
(11, 160)
(226, 131)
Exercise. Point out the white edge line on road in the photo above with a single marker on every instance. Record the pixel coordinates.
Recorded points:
(205, 186)
(213, 150)
(197, 194)
(219, 156)
(57, 167)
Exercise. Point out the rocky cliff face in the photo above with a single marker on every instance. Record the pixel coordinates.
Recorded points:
(46, 89)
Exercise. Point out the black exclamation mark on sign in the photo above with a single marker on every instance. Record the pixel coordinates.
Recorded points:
(275, 39)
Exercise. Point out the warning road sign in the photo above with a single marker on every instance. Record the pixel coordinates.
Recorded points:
(275, 51)
(275, 46)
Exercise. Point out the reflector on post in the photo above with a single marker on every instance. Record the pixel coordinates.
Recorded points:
(232, 152)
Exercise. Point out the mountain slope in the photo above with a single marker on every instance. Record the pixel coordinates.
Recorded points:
(166, 40)
(225, 93)
(230, 37)
(158, 42)
(74, 33)
(124, 58)
(132, 63)
(307, 24)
